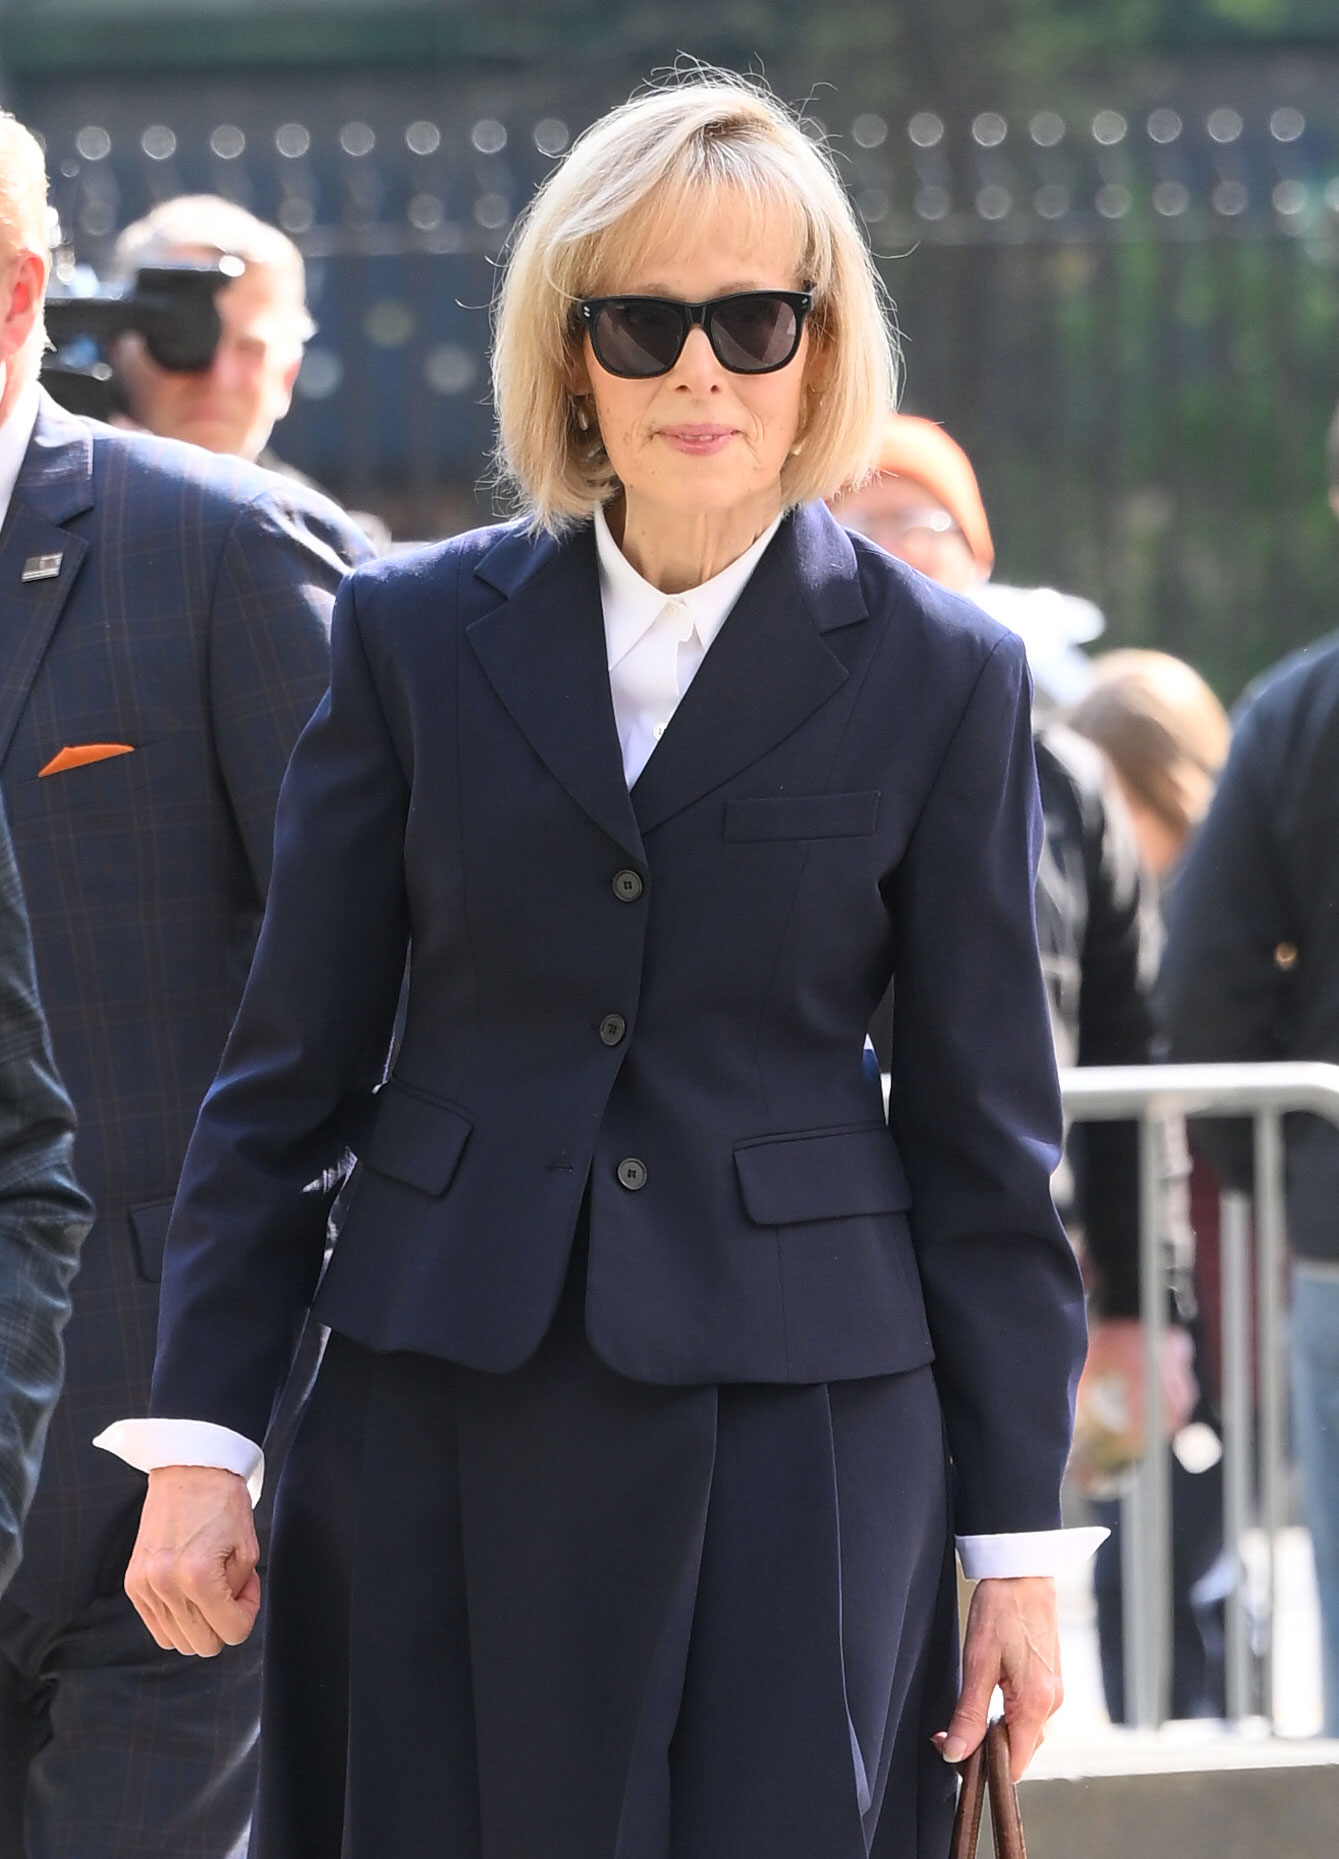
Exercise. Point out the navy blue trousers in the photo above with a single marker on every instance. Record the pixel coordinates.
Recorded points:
(557, 1613)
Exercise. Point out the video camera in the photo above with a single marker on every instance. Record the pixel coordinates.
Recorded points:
(171, 306)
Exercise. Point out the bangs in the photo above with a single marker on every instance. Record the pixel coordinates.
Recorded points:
(670, 213)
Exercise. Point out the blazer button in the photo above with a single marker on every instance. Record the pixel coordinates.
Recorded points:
(627, 886)
(612, 1028)
(632, 1173)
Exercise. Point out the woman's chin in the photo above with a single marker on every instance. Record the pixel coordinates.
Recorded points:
(703, 485)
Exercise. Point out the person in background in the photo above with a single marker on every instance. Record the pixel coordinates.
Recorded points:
(924, 506)
(1097, 938)
(43, 1217)
(166, 636)
(235, 403)
(1166, 737)
(1251, 972)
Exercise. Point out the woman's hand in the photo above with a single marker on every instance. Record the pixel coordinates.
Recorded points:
(1012, 1641)
(192, 1575)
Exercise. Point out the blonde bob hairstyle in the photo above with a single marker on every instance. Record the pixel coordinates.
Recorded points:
(633, 185)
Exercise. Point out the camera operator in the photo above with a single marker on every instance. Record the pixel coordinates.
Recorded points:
(234, 404)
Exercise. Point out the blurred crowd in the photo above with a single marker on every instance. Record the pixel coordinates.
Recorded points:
(1187, 909)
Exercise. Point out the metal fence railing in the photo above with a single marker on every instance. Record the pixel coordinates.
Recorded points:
(1254, 1401)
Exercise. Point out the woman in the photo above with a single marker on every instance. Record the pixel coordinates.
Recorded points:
(621, 1521)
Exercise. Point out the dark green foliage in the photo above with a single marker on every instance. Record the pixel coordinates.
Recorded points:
(1148, 420)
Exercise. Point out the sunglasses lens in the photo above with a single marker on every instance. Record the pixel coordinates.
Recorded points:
(755, 333)
(637, 338)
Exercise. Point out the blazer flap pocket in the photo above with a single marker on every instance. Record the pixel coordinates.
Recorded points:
(148, 1229)
(821, 1175)
(801, 816)
(416, 1139)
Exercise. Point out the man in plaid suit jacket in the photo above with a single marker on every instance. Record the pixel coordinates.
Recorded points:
(166, 618)
(43, 1216)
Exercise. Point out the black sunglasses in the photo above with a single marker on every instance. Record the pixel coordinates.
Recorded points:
(754, 332)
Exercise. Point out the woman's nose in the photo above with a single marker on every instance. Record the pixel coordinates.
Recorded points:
(697, 367)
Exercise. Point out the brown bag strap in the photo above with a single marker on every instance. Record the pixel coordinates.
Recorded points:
(1004, 1814)
(971, 1802)
(989, 1762)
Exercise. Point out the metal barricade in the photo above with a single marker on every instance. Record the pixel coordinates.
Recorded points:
(1254, 1479)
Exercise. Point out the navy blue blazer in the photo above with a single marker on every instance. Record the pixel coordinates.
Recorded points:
(664, 994)
(174, 605)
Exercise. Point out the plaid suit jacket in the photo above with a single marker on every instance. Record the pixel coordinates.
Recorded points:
(154, 681)
(43, 1216)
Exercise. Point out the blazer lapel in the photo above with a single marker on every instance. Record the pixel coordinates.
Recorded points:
(544, 653)
(54, 484)
(766, 672)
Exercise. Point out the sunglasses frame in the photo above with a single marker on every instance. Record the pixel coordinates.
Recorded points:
(696, 316)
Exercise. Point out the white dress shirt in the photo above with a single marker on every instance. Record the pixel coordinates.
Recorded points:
(656, 644)
(15, 437)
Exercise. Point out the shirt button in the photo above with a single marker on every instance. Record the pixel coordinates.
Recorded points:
(632, 1173)
(627, 886)
(612, 1028)
(659, 730)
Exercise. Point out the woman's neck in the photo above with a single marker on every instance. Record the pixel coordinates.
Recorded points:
(676, 550)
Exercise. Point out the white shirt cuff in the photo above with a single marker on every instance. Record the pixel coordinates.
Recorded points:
(1028, 1552)
(149, 1445)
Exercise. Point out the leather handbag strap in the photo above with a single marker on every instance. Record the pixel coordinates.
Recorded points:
(971, 1802)
(1004, 1814)
(988, 1765)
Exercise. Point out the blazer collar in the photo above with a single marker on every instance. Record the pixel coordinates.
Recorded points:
(54, 484)
(768, 670)
(56, 478)
(543, 650)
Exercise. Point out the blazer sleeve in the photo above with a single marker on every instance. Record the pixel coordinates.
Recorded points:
(976, 1111)
(43, 1217)
(269, 653)
(248, 1230)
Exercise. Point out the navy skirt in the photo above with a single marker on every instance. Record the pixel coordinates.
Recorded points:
(558, 1614)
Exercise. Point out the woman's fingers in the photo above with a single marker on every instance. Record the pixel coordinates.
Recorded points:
(192, 1575)
(1013, 1642)
(980, 1675)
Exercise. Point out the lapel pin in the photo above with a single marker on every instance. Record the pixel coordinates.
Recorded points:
(41, 567)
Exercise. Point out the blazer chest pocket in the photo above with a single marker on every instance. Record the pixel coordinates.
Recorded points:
(415, 1139)
(801, 816)
(821, 1175)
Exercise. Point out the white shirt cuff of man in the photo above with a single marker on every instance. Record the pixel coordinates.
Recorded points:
(151, 1444)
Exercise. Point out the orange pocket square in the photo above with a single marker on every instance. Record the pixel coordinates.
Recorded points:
(84, 753)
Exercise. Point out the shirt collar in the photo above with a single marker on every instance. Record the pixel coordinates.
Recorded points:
(15, 437)
(632, 605)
